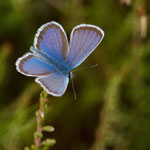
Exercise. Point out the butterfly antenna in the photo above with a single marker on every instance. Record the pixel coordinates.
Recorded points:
(85, 67)
(74, 92)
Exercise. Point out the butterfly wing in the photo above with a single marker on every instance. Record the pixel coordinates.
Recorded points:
(54, 84)
(31, 65)
(51, 38)
(83, 41)
(34, 66)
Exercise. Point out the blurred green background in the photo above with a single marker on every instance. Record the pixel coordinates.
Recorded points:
(112, 110)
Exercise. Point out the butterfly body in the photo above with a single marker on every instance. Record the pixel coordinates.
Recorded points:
(51, 58)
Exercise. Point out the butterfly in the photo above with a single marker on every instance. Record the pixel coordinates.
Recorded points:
(51, 58)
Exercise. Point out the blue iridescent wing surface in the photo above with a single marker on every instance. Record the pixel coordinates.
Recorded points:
(55, 84)
(48, 58)
(49, 79)
(52, 40)
(33, 65)
(83, 41)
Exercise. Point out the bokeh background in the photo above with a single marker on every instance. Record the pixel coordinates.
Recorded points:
(112, 110)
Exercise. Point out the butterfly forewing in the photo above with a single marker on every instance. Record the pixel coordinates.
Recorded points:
(51, 38)
(83, 41)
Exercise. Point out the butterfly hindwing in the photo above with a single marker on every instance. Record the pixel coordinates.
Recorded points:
(54, 84)
(51, 38)
(83, 41)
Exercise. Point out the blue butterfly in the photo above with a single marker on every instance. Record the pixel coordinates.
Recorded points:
(51, 58)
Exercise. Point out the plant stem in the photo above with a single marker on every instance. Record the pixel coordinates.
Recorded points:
(39, 118)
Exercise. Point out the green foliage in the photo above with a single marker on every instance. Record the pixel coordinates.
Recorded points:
(113, 102)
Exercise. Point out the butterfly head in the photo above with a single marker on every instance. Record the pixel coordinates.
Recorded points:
(71, 75)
